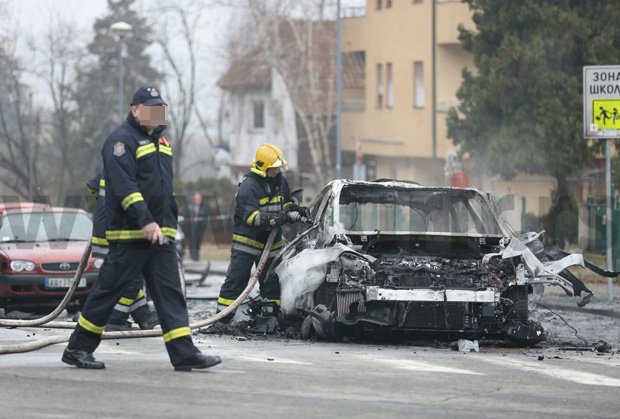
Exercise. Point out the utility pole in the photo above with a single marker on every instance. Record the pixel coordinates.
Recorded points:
(338, 92)
(31, 140)
(434, 75)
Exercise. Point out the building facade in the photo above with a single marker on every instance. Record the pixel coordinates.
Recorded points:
(396, 118)
(258, 110)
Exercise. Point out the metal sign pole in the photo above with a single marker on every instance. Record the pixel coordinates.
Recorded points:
(601, 101)
(608, 217)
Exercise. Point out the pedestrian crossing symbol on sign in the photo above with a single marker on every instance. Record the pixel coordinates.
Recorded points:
(606, 113)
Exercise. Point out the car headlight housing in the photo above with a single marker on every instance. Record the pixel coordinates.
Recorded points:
(22, 265)
(97, 263)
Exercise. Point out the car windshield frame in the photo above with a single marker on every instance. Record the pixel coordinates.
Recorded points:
(44, 226)
(365, 209)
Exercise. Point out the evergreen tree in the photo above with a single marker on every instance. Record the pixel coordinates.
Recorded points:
(522, 109)
(97, 88)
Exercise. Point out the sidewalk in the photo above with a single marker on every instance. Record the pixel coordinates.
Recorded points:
(559, 314)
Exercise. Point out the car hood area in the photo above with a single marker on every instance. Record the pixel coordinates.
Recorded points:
(44, 252)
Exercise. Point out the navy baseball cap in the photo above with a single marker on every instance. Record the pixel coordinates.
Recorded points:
(149, 96)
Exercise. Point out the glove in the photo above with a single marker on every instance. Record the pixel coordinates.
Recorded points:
(270, 220)
(303, 211)
(294, 216)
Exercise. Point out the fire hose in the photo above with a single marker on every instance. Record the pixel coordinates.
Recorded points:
(56, 312)
(41, 343)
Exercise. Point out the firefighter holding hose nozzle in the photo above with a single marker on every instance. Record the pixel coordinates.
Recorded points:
(262, 203)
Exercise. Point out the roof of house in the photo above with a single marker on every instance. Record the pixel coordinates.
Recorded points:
(251, 70)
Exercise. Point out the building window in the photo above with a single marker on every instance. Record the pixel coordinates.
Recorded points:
(389, 87)
(379, 86)
(388, 4)
(258, 114)
(416, 1)
(418, 84)
(379, 4)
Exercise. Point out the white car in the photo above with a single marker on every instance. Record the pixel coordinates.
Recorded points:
(396, 257)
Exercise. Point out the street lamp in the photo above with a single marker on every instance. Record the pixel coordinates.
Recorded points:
(120, 29)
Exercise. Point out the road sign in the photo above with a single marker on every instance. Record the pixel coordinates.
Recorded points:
(601, 101)
(601, 119)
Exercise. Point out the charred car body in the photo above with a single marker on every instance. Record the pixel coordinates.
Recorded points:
(393, 257)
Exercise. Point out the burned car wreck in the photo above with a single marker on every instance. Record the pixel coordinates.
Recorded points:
(390, 257)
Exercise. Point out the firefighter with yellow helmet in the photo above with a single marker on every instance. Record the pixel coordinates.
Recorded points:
(262, 203)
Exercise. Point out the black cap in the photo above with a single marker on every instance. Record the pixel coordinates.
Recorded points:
(149, 96)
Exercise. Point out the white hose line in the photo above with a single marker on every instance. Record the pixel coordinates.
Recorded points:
(56, 312)
(41, 343)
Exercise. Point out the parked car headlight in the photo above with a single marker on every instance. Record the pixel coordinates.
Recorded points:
(97, 263)
(22, 265)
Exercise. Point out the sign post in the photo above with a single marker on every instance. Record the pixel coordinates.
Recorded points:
(601, 120)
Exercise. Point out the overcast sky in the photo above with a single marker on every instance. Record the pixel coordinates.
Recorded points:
(30, 19)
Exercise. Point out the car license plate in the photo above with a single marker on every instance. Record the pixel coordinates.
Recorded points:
(63, 282)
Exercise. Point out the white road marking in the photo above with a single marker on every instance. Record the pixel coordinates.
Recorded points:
(274, 360)
(580, 377)
(410, 365)
(603, 360)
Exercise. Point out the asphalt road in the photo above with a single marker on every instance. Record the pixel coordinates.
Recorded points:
(297, 379)
(277, 378)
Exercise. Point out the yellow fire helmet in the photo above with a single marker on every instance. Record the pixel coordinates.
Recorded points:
(268, 156)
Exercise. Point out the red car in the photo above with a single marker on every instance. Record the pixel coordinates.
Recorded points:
(40, 249)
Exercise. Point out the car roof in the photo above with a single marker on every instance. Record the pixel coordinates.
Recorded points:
(44, 208)
(394, 183)
(21, 205)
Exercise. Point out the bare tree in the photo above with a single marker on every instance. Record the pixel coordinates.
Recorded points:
(18, 126)
(177, 37)
(70, 157)
(301, 49)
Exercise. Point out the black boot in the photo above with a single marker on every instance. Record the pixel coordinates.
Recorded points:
(198, 361)
(81, 359)
(117, 327)
(150, 322)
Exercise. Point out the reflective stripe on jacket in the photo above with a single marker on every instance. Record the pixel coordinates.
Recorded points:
(96, 186)
(256, 195)
(138, 182)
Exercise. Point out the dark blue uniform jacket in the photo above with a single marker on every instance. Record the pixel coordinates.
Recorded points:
(258, 194)
(96, 186)
(138, 180)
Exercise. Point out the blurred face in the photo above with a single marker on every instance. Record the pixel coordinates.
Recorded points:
(273, 171)
(149, 117)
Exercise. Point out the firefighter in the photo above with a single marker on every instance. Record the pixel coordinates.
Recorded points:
(263, 202)
(141, 218)
(133, 302)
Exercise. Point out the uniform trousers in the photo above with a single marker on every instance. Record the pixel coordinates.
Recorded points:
(238, 276)
(124, 263)
(134, 303)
